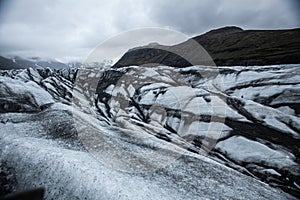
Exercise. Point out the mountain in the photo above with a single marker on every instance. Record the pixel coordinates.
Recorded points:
(228, 46)
(22, 63)
(163, 132)
(6, 64)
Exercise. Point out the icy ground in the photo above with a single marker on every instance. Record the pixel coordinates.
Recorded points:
(152, 133)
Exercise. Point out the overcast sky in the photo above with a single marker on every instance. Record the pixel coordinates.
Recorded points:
(69, 30)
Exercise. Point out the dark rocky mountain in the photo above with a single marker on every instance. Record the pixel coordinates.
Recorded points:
(228, 46)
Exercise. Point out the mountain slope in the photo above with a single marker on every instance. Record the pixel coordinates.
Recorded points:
(227, 46)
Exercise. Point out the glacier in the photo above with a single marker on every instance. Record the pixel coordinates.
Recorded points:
(160, 132)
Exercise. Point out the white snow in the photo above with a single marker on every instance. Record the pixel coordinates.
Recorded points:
(242, 149)
(273, 118)
(16, 88)
(213, 130)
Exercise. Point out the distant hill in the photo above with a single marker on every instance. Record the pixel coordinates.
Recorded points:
(21, 63)
(6, 64)
(227, 46)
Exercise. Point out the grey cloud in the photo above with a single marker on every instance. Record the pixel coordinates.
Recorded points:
(195, 17)
(70, 29)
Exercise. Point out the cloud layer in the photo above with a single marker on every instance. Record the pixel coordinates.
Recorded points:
(69, 30)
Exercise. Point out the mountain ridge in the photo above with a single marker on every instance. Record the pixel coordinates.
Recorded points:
(16, 62)
(227, 46)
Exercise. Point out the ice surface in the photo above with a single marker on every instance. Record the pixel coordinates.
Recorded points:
(53, 127)
(244, 150)
(70, 174)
